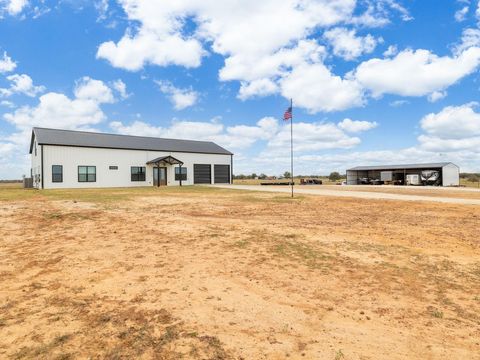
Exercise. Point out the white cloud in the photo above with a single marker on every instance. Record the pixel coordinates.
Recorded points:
(392, 50)
(180, 98)
(121, 88)
(470, 38)
(461, 14)
(21, 84)
(7, 104)
(348, 45)
(415, 73)
(266, 45)
(398, 103)
(310, 137)
(53, 110)
(259, 87)
(354, 126)
(90, 89)
(453, 128)
(453, 122)
(314, 87)
(6, 63)
(275, 136)
(436, 95)
(13, 7)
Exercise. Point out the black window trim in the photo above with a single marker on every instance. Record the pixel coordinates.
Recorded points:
(86, 179)
(138, 174)
(61, 174)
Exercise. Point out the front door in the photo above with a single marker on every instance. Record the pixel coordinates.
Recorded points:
(162, 179)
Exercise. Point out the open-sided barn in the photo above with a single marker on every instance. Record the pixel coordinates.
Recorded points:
(439, 174)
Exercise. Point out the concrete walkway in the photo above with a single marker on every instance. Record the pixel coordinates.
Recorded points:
(354, 194)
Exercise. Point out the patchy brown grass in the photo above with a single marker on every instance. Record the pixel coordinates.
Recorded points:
(217, 274)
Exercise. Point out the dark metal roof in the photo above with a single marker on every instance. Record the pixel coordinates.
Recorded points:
(166, 159)
(402, 167)
(113, 141)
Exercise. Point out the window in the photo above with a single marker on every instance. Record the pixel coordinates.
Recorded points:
(113, 167)
(183, 176)
(87, 173)
(57, 173)
(35, 146)
(138, 173)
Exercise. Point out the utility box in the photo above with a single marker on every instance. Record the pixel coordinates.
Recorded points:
(386, 176)
(413, 179)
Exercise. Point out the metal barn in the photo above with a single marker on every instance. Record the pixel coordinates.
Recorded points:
(436, 174)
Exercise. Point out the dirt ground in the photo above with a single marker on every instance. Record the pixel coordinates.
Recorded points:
(206, 273)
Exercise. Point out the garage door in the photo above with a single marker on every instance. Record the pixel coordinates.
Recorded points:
(202, 174)
(221, 174)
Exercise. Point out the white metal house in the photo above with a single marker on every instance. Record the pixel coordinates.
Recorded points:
(79, 159)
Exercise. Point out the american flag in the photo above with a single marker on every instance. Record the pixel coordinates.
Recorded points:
(288, 114)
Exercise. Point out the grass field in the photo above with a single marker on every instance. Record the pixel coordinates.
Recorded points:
(199, 272)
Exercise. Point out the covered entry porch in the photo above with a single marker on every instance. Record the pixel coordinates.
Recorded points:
(162, 165)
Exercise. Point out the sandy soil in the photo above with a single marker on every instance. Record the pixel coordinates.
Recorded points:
(223, 274)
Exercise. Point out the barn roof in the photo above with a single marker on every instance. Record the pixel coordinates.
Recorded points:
(114, 141)
(401, 167)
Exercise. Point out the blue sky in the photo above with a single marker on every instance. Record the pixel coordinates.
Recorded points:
(372, 81)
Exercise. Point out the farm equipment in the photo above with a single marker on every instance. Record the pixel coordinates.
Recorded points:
(311, 182)
(431, 177)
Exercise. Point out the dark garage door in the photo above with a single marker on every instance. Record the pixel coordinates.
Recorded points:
(202, 174)
(221, 174)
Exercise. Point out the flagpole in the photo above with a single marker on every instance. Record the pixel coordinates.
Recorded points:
(291, 144)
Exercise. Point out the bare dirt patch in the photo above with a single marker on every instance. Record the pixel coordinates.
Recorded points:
(223, 274)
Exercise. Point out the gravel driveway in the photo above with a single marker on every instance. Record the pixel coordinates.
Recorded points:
(355, 194)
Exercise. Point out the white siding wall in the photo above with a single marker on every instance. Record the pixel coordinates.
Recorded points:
(71, 157)
(36, 157)
(450, 175)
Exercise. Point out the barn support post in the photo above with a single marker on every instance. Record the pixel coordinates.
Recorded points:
(158, 174)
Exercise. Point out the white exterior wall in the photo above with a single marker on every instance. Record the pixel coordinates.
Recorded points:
(36, 158)
(450, 175)
(72, 157)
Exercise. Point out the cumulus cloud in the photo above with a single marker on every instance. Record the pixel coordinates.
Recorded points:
(266, 50)
(95, 90)
(275, 136)
(21, 84)
(453, 128)
(13, 7)
(232, 137)
(7, 64)
(56, 110)
(315, 88)
(415, 73)
(121, 88)
(436, 95)
(461, 14)
(348, 45)
(355, 126)
(180, 98)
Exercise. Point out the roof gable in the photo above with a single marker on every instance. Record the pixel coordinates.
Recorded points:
(114, 141)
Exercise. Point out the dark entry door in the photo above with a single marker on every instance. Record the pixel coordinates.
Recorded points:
(221, 174)
(202, 174)
(162, 179)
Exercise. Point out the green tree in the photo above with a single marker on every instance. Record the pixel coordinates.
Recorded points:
(334, 176)
(287, 174)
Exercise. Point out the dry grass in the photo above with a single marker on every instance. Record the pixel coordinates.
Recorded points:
(199, 272)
